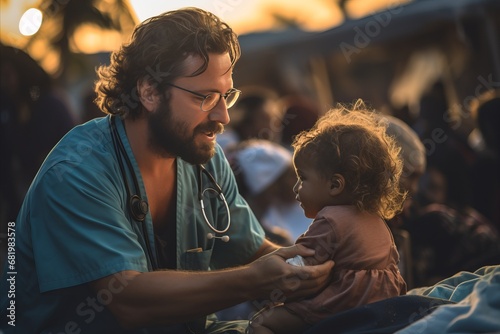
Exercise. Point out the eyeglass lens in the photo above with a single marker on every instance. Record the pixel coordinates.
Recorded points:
(212, 99)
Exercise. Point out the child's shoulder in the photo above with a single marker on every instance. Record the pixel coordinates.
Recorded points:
(343, 216)
(341, 212)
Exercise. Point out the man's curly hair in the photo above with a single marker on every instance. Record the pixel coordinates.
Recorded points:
(157, 52)
(353, 142)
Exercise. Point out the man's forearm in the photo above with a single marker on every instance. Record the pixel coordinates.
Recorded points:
(168, 297)
(266, 248)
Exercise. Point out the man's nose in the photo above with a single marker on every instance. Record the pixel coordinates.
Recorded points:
(220, 113)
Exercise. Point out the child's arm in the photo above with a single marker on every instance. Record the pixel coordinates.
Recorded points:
(277, 320)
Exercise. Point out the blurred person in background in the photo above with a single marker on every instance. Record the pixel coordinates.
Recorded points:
(300, 114)
(33, 117)
(414, 161)
(486, 176)
(257, 114)
(443, 240)
(447, 147)
(265, 176)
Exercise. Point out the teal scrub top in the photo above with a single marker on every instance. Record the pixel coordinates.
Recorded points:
(74, 227)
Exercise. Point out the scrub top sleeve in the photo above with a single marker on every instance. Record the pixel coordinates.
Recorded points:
(79, 229)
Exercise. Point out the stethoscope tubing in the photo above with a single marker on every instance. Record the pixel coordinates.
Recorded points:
(122, 154)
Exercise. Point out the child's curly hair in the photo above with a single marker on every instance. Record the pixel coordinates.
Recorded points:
(353, 142)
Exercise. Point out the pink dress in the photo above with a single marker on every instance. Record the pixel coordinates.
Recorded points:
(366, 262)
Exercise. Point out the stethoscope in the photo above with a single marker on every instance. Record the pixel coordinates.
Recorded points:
(138, 208)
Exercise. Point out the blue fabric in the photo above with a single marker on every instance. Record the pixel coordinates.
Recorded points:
(74, 228)
(468, 302)
(382, 317)
(477, 310)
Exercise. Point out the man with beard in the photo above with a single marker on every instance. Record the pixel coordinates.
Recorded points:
(120, 228)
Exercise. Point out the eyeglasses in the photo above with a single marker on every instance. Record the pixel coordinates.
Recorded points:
(212, 99)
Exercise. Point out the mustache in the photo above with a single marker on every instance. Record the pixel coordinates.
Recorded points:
(214, 127)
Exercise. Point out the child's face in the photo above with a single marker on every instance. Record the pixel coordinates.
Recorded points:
(311, 190)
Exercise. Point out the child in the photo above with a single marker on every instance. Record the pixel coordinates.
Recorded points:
(348, 173)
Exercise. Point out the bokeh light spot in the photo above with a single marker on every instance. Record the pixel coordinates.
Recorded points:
(30, 22)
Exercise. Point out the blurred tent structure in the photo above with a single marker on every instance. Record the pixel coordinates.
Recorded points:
(389, 58)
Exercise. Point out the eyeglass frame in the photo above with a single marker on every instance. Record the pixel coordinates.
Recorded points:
(225, 96)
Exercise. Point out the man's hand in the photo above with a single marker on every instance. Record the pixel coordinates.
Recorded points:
(274, 277)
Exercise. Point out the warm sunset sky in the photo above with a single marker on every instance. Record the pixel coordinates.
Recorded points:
(243, 15)
(250, 15)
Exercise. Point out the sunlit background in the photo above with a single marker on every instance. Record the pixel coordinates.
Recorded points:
(90, 32)
(388, 52)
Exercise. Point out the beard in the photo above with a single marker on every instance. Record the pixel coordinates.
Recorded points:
(169, 137)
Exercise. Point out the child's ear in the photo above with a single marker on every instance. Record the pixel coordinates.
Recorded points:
(337, 184)
(147, 95)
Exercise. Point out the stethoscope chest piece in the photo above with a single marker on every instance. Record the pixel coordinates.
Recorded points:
(138, 208)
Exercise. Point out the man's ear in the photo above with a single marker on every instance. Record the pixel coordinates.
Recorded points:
(337, 184)
(147, 95)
